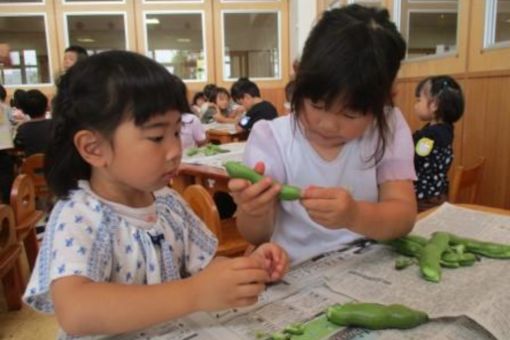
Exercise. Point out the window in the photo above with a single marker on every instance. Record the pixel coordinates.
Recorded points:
(430, 27)
(497, 23)
(368, 3)
(25, 36)
(251, 45)
(176, 40)
(97, 32)
(21, 1)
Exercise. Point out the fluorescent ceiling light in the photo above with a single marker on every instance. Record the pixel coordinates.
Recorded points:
(152, 21)
(183, 40)
(85, 40)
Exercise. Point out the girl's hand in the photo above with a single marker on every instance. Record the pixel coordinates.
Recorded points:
(227, 283)
(274, 258)
(333, 208)
(254, 199)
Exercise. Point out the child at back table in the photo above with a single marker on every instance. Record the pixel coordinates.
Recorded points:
(440, 103)
(345, 144)
(122, 251)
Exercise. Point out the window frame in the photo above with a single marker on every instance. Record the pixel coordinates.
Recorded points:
(204, 36)
(278, 12)
(48, 50)
(65, 24)
(489, 37)
(435, 55)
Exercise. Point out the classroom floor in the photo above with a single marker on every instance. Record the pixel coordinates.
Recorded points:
(25, 323)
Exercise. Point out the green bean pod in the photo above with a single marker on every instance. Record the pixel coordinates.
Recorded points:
(239, 170)
(487, 249)
(430, 257)
(375, 316)
(295, 329)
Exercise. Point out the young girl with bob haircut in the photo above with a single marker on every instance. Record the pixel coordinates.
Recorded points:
(345, 144)
(439, 103)
(122, 251)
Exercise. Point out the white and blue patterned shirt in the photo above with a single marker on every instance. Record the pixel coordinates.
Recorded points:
(109, 242)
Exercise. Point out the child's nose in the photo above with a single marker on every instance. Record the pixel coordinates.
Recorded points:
(174, 152)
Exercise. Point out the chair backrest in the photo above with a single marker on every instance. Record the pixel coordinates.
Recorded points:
(7, 227)
(204, 206)
(33, 166)
(22, 197)
(466, 180)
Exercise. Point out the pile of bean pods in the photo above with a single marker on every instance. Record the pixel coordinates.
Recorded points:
(207, 150)
(444, 250)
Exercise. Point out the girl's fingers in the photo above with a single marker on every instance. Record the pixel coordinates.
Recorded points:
(246, 302)
(318, 205)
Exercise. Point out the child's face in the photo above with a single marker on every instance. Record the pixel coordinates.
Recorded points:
(70, 58)
(334, 127)
(222, 100)
(246, 101)
(424, 107)
(200, 101)
(145, 158)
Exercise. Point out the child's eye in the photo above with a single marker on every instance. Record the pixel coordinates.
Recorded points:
(177, 133)
(158, 139)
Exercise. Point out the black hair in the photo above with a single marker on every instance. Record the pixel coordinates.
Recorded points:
(3, 93)
(80, 51)
(289, 90)
(98, 94)
(197, 96)
(34, 104)
(17, 98)
(221, 90)
(210, 92)
(244, 86)
(448, 96)
(351, 57)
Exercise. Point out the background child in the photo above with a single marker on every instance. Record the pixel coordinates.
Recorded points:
(225, 112)
(33, 136)
(121, 247)
(196, 103)
(440, 103)
(192, 131)
(247, 93)
(345, 145)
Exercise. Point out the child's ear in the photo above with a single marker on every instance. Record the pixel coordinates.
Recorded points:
(433, 105)
(90, 146)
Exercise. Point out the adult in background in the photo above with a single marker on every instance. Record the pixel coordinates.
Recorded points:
(73, 54)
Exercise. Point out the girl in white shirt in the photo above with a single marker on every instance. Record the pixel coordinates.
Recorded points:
(345, 144)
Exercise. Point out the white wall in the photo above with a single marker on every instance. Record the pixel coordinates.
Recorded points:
(302, 14)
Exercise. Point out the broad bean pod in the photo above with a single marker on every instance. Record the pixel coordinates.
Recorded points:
(430, 258)
(239, 170)
(375, 316)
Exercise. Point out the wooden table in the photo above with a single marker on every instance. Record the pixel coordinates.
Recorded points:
(212, 178)
(223, 137)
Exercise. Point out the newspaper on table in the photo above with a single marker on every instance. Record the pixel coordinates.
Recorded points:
(468, 303)
(235, 153)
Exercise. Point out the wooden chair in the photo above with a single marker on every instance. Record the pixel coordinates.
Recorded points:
(466, 181)
(25, 215)
(10, 250)
(230, 242)
(33, 166)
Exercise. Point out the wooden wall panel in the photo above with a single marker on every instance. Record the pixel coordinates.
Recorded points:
(275, 96)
